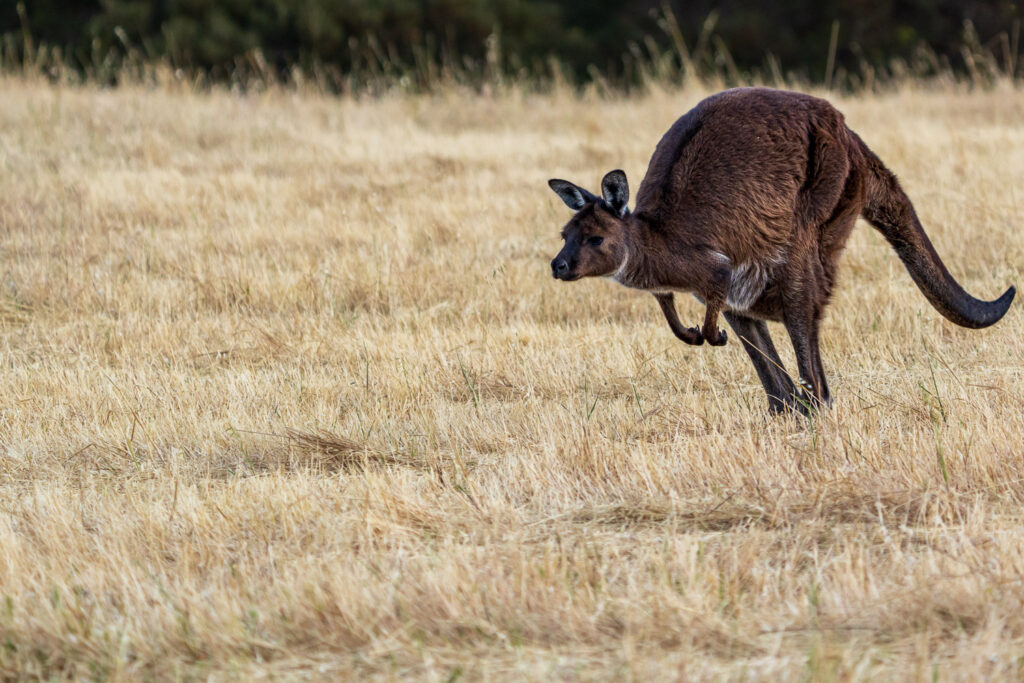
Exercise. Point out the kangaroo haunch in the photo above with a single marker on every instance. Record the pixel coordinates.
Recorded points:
(747, 203)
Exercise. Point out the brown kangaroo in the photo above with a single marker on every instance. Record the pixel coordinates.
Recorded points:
(747, 204)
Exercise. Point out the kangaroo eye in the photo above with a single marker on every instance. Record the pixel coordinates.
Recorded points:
(595, 241)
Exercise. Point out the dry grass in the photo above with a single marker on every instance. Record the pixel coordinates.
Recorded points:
(286, 388)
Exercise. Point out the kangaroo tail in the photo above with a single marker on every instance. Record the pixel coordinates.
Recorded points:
(889, 210)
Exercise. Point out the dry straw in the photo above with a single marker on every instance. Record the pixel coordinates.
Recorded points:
(286, 388)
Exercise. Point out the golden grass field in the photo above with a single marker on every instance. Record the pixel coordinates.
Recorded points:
(287, 389)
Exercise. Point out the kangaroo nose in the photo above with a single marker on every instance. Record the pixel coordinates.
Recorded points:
(559, 267)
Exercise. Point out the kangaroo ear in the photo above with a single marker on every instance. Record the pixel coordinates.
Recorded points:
(616, 191)
(574, 197)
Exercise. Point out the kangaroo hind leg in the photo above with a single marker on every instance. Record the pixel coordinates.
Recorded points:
(757, 342)
(801, 314)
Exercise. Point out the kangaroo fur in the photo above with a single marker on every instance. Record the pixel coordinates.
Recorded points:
(747, 204)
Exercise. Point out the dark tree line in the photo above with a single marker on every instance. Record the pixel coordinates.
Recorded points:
(514, 36)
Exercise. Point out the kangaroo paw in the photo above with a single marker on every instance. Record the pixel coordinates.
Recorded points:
(691, 335)
(717, 340)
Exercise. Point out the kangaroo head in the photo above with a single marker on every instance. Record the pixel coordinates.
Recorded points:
(595, 238)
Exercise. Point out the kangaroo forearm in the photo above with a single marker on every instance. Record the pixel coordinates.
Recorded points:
(710, 331)
(690, 335)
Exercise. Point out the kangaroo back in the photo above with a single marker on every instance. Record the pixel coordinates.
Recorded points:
(889, 210)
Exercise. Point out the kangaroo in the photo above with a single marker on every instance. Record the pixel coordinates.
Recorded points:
(748, 202)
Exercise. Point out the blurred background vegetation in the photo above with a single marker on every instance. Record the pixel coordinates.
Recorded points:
(350, 44)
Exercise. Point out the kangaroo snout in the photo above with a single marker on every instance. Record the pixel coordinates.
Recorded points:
(559, 268)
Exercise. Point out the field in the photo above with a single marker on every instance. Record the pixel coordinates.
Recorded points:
(287, 390)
